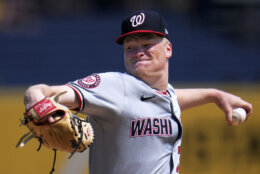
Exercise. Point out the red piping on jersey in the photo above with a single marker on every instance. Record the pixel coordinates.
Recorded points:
(159, 92)
(79, 95)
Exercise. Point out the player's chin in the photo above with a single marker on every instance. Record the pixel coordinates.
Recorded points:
(141, 67)
(138, 70)
(141, 73)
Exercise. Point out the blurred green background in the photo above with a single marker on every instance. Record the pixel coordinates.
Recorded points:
(216, 44)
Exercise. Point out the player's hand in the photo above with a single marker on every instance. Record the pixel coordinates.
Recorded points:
(227, 102)
(32, 96)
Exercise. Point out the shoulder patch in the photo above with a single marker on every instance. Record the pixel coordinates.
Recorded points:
(90, 81)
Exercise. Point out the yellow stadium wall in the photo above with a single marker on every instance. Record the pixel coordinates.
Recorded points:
(209, 145)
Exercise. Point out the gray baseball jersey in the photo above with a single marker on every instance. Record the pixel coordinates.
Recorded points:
(137, 129)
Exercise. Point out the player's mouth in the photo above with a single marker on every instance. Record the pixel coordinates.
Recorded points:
(143, 60)
(142, 63)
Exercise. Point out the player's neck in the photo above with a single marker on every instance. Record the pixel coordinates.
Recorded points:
(160, 86)
(158, 82)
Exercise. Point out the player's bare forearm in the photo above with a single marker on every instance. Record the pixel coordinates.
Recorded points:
(189, 98)
(37, 92)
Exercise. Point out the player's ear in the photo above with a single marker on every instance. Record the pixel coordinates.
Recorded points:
(168, 49)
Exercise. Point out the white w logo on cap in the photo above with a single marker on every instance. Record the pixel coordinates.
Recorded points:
(137, 19)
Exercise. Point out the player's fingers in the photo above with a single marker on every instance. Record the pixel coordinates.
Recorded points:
(245, 105)
(47, 120)
(249, 108)
(229, 119)
(228, 113)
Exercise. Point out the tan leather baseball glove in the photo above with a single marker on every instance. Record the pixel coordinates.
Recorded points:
(56, 127)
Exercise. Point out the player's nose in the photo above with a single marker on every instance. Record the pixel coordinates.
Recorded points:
(139, 52)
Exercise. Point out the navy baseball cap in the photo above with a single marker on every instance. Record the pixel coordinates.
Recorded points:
(143, 21)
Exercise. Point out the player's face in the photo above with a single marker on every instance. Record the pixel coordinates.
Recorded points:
(146, 55)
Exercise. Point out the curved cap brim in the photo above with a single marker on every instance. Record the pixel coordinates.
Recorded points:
(120, 39)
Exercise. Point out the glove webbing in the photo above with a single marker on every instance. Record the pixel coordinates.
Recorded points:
(79, 123)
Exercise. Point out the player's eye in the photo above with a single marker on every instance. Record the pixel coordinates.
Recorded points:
(129, 48)
(147, 45)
